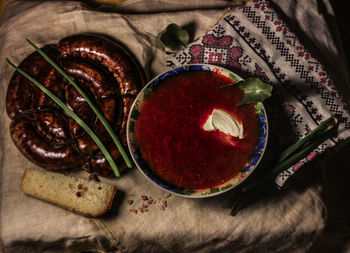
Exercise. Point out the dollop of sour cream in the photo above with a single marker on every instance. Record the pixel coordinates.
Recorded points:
(224, 122)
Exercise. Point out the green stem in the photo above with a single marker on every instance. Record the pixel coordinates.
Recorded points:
(288, 157)
(313, 135)
(73, 115)
(233, 199)
(235, 205)
(88, 100)
(287, 162)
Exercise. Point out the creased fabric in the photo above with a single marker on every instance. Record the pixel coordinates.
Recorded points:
(287, 221)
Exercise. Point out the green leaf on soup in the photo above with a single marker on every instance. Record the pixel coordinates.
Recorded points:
(258, 108)
(172, 37)
(254, 90)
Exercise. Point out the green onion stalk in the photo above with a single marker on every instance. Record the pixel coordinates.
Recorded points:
(287, 158)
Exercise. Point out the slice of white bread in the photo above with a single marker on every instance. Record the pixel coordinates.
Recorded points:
(80, 195)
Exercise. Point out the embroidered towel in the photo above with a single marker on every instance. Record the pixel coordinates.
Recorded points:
(255, 41)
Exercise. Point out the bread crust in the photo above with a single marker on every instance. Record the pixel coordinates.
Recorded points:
(32, 185)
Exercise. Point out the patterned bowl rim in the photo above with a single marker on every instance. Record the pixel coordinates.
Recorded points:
(189, 193)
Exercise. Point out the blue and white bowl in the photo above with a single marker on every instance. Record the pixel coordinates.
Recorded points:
(192, 193)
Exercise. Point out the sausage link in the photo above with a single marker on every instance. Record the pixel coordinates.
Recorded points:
(52, 125)
(100, 165)
(108, 54)
(39, 151)
(111, 109)
(20, 90)
(86, 145)
(91, 76)
(73, 97)
(53, 81)
(87, 115)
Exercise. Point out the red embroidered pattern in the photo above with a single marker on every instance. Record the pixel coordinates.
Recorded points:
(305, 72)
(255, 41)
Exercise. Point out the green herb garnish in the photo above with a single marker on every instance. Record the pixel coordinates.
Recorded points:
(88, 100)
(254, 90)
(73, 115)
(172, 37)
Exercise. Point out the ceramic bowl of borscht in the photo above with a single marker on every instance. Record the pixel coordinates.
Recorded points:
(190, 137)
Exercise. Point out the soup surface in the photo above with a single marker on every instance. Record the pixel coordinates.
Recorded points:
(170, 134)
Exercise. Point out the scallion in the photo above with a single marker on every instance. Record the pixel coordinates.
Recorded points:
(297, 151)
(313, 135)
(247, 193)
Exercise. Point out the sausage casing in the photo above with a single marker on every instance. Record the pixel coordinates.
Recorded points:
(43, 132)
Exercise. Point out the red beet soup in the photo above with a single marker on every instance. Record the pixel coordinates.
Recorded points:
(170, 134)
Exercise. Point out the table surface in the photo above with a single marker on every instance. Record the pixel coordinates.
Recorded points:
(186, 224)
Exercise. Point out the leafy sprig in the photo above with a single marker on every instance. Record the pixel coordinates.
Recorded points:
(254, 90)
(172, 38)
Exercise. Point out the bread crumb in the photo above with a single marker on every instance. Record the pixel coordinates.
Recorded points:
(147, 202)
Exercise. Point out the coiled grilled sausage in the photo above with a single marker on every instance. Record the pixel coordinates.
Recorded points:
(42, 131)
